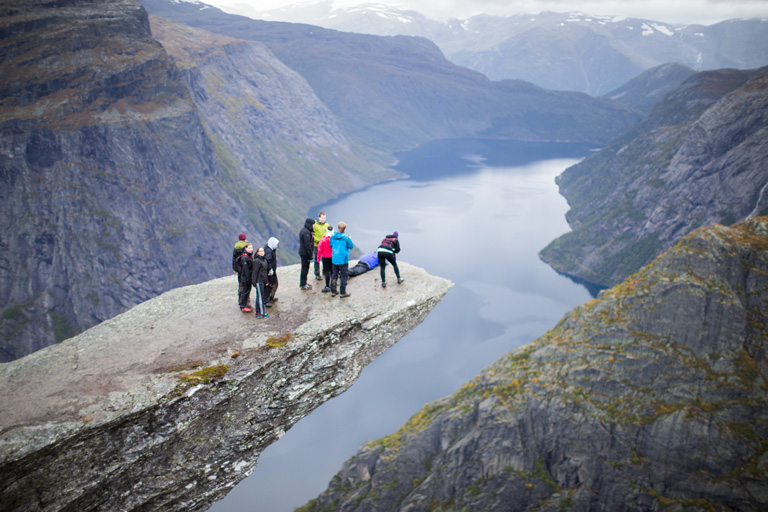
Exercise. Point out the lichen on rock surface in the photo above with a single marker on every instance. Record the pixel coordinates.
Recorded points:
(170, 404)
(652, 396)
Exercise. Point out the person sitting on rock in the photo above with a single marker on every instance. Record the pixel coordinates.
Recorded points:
(364, 264)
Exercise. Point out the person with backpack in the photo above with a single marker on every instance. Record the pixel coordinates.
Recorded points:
(387, 250)
(325, 254)
(244, 265)
(259, 280)
(270, 254)
(239, 249)
(340, 246)
(319, 229)
(306, 249)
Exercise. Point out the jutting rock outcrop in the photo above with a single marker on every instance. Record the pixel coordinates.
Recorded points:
(169, 404)
(652, 396)
(699, 158)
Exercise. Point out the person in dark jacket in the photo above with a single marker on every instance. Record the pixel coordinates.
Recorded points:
(386, 252)
(239, 248)
(244, 264)
(259, 280)
(306, 249)
(270, 254)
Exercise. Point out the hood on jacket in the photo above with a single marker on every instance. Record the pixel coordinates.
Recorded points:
(309, 223)
(272, 243)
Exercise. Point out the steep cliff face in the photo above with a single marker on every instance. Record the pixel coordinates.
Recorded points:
(393, 93)
(700, 157)
(110, 188)
(279, 146)
(125, 172)
(168, 405)
(653, 396)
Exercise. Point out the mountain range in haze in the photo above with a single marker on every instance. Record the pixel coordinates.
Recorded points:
(561, 51)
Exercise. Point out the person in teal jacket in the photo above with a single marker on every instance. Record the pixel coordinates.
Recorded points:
(340, 245)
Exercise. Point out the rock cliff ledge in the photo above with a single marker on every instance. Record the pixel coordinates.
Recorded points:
(170, 404)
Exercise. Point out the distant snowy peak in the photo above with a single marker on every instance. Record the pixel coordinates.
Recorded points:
(195, 2)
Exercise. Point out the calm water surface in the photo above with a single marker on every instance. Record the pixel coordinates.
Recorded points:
(469, 218)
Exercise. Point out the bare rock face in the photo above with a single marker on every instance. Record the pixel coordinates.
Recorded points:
(169, 404)
(121, 175)
(652, 396)
(699, 158)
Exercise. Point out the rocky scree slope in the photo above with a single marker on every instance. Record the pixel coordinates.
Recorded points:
(118, 178)
(652, 396)
(393, 93)
(168, 405)
(699, 158)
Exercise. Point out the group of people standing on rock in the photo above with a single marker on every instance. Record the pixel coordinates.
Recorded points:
(318, 243)
(255, 269)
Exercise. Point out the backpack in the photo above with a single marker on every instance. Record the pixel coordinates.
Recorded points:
(388, 243)
(236, 258)
(238, 266)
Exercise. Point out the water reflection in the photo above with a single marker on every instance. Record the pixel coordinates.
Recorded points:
(480, 227)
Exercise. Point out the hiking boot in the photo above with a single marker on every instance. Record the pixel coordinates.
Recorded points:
(306, 287)
(334, 293)
(260, 316)
(383, 284)
(345, 294)
(326, 289)
(268, 305)
(246, 309)
(318, 277)
(400, 280)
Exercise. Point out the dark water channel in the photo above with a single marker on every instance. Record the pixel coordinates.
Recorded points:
(475, 212)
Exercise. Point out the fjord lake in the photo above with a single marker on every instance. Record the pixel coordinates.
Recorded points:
(476, 212)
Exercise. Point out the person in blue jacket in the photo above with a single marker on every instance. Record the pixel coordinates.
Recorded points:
(340, 245)
(366, 263)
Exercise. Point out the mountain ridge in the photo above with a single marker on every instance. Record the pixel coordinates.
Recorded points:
(652, 395)
(697, 159)
(562, 51)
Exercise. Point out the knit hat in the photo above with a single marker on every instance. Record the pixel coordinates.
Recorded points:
(241, 236)
(395, 233)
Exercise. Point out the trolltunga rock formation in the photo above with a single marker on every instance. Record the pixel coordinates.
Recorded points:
(169, 404)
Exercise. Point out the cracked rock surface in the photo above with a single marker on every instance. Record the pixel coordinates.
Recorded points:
(169, 404)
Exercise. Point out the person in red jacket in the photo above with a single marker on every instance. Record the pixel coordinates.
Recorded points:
(324, 255)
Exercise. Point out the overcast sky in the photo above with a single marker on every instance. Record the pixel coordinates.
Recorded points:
(671, 11)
